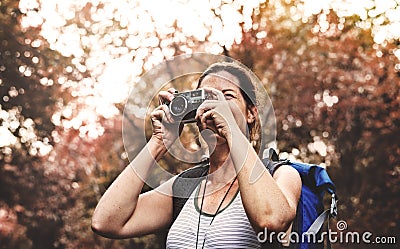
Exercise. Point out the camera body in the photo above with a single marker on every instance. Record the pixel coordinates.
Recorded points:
(184, 105)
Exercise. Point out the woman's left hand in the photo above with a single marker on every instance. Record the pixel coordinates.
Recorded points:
(220, 115)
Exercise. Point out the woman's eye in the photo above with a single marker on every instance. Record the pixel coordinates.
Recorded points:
(228, 96)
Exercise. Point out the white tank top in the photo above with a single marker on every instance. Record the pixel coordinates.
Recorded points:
(230, 229)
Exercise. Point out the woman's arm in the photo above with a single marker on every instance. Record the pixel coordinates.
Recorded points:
(270, 202)
(122, 212)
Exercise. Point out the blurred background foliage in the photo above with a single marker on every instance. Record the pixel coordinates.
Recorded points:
(331, 68)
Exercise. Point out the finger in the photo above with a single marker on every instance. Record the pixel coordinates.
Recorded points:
(165, 96)
(162, 114)
(172, 90)
(215, 94)
(202, 109)
(167, 114)
(157, 114)
(206, 105)
(208, 115)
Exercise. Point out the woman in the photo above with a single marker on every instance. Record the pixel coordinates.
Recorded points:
(237, 200)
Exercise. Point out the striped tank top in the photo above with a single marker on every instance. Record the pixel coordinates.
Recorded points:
(230, 229)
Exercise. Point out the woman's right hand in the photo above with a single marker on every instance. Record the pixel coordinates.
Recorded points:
(165, 129)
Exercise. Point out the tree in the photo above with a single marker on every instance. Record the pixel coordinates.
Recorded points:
(50, 119)
(335, 97)
(31, 92)
(60, 129)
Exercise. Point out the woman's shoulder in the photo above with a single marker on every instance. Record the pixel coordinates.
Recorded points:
(289, 178)
(286, 171)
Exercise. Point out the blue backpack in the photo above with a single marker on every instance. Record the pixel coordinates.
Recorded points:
(310, 217)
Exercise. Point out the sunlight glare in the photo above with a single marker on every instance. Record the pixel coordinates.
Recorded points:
(384, 15)
(111, 84)
(7, 138)
(116, 57)
(114, 41)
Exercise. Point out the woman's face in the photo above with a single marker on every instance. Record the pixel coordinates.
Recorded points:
(228, 84)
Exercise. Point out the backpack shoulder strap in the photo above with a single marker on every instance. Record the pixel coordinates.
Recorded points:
(185, 183)
(272, 162)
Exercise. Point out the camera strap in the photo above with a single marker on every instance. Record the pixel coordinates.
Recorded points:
(216, 212)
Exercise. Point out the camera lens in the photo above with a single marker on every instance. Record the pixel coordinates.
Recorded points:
(178, 106)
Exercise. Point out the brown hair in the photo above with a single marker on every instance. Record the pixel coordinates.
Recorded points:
(248, 91)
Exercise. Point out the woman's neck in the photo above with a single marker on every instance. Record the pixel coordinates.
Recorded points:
(222, 170)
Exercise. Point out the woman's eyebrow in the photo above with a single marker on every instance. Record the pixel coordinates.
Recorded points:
(228, 89)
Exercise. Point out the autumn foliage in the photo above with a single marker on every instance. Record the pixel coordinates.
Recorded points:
(334, 89)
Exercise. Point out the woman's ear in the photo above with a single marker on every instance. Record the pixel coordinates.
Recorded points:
(252, 112)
